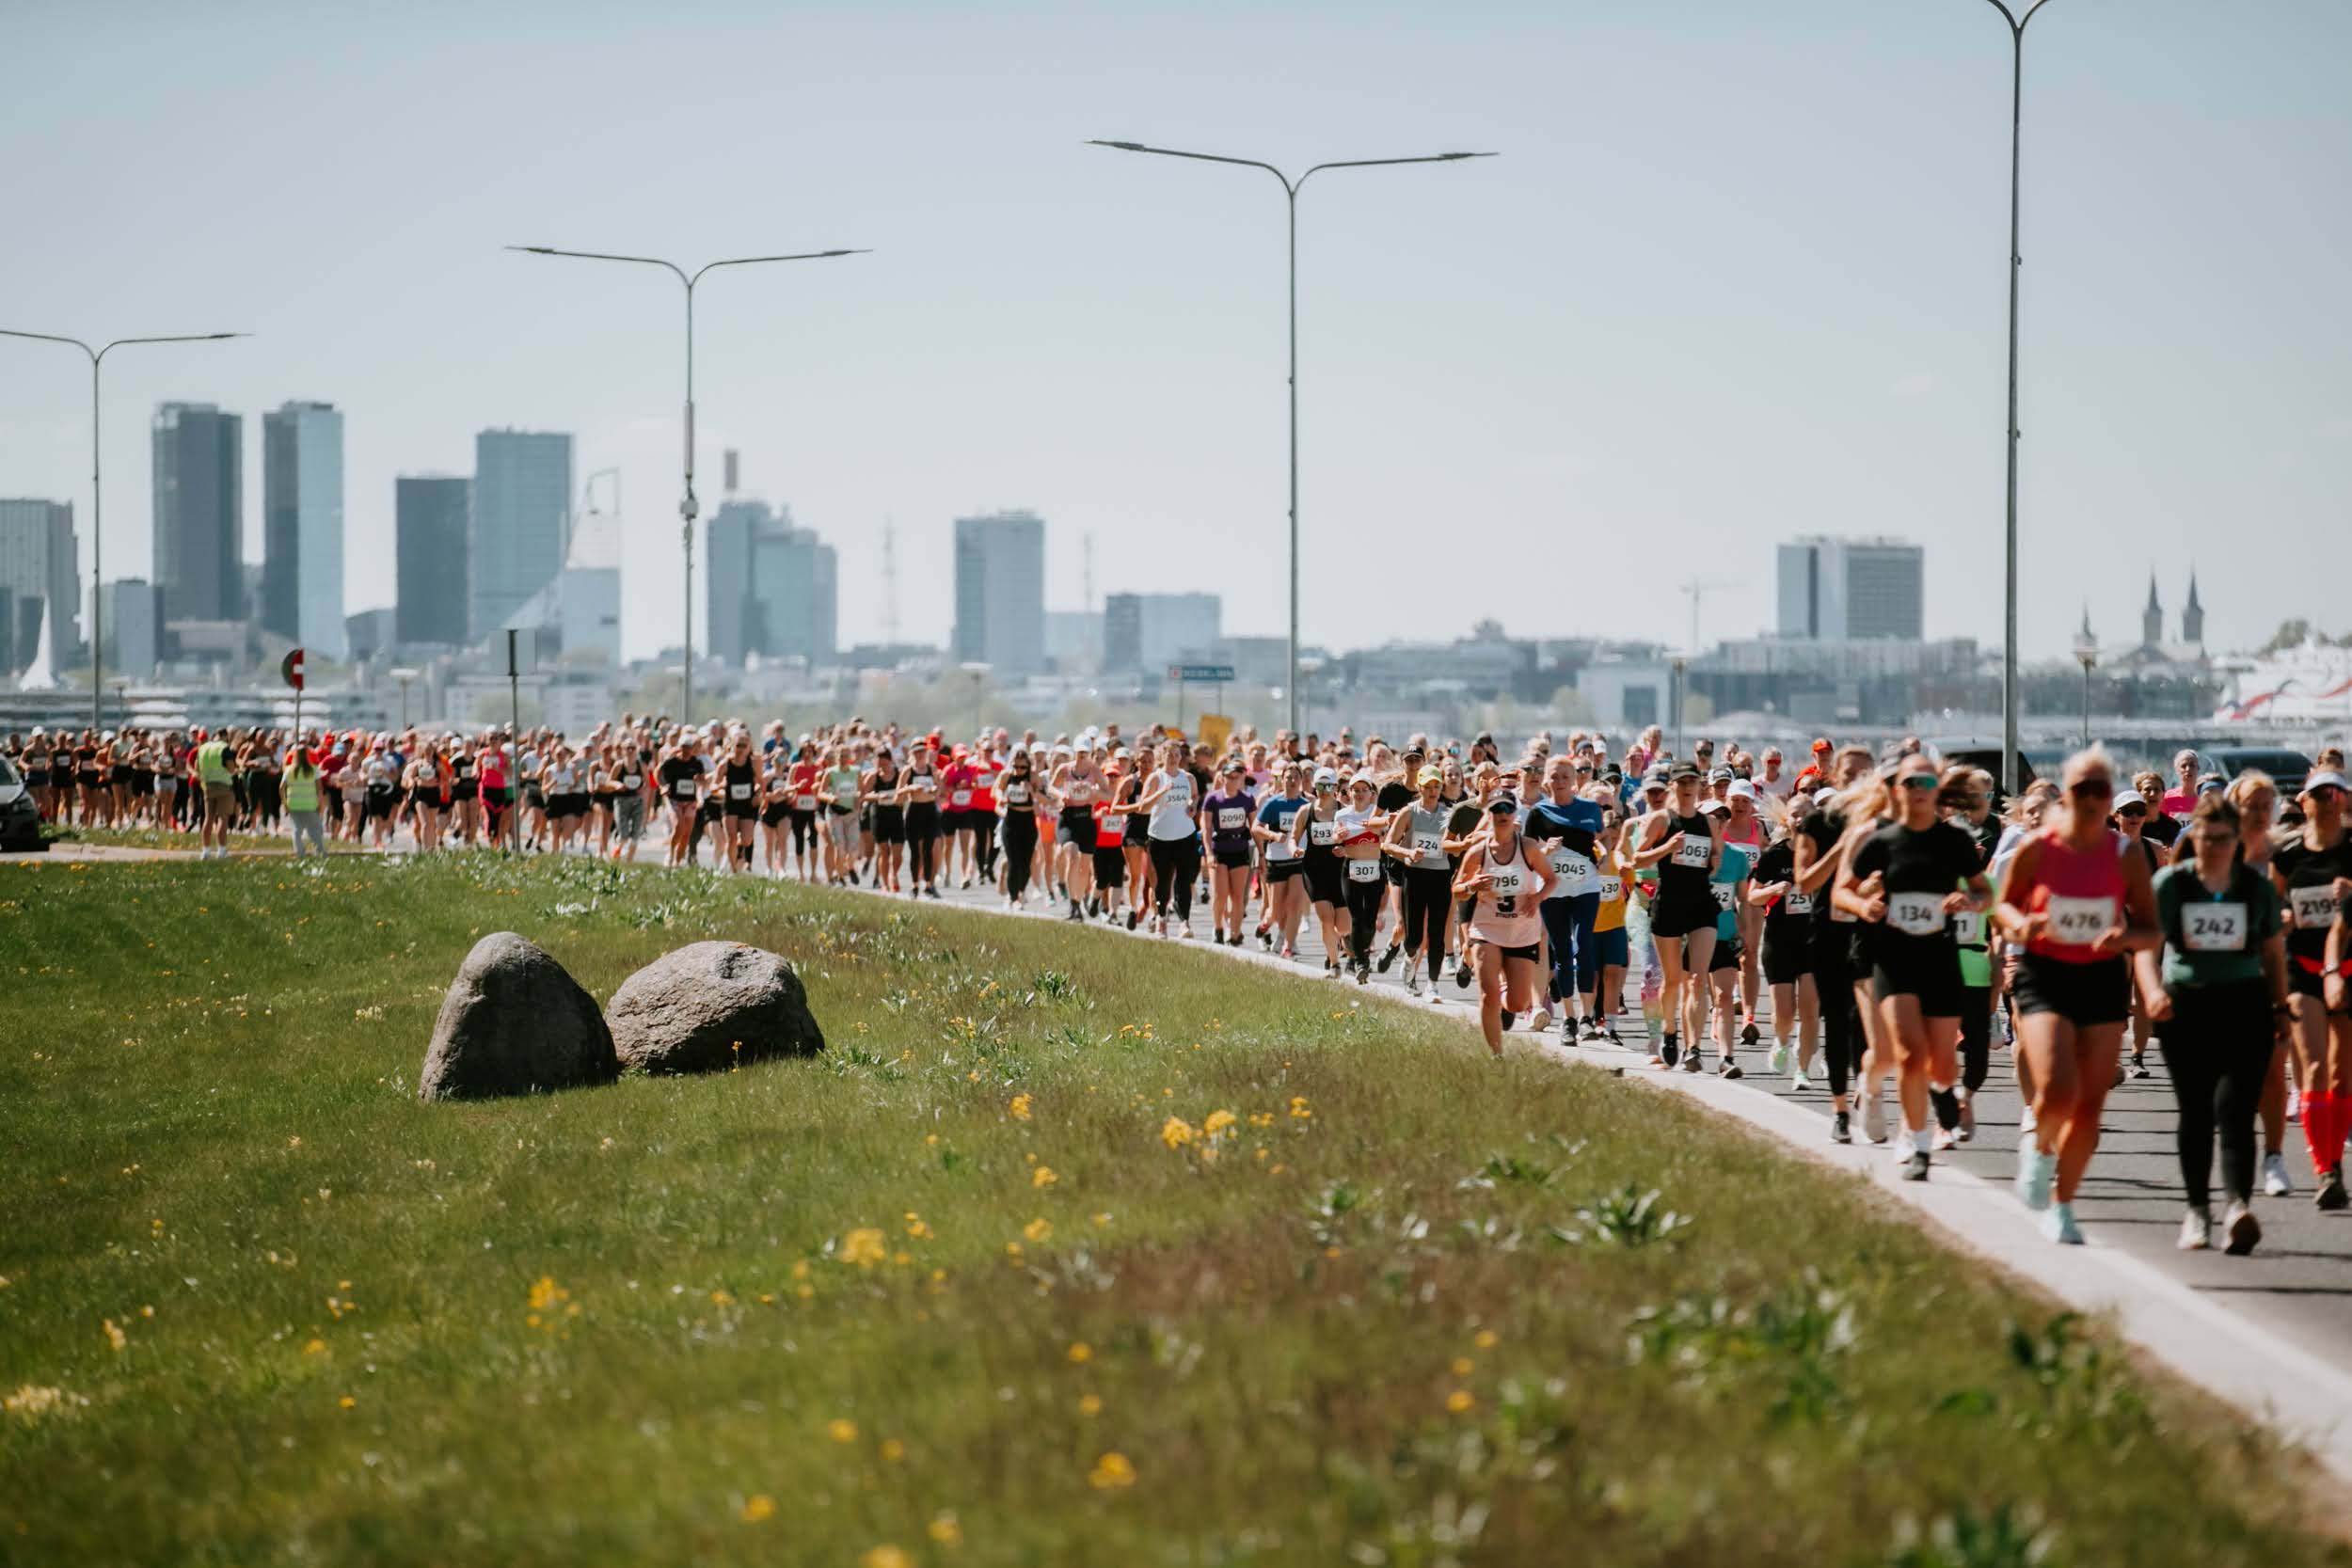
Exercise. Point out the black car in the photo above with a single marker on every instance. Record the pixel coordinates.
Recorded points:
(2287, 769)
(20, 821)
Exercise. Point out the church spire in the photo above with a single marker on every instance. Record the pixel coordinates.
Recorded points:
(2193, 617)
(2152, 619)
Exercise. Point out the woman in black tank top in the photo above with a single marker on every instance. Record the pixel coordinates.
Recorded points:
(1682, 843)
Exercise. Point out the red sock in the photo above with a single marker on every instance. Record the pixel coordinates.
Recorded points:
(2321, 1132)
(2339, 1123)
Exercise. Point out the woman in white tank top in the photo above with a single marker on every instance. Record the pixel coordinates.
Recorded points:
(1506, 930)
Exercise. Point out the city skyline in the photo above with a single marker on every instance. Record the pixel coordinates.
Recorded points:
(1548, 346)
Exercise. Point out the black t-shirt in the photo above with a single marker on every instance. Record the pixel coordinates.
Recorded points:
(2307, 873)
(679, 775)
(1394, 797)
(1822, 830)
(1778, 863)
(1920, 868)
(2163, 829)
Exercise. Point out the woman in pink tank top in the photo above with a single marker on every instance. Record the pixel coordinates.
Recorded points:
(2076, 904)
(1506, 927)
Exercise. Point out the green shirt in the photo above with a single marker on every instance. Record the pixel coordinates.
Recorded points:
(2211, 940)
(211, 762)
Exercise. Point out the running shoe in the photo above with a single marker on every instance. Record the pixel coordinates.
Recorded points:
(2242, 1230)
(2139, 1067)
(932, 893)
(1915, 1166)
(1669, 1051)
(1437, 998)
(1874, 1113)
(1568, 1034)
(2195, 1231)
(1412, 982)
(1509, 1018)
(1265, 938)
(1799, 1082)
(1595, 1030)
(1967, 1129)
(2037, 1173)
(2275, 1182)
(1462, 973)
(1943, 1139)
(1363, 973)
(1132, 916)
(1075, 914)
(2059, 1225)
(1779, 1058)
(1729, 1068)
(1690, 1062)
(2026, 1120)
(1748, 1036)
(1841, 1129)
(1389, 957)
(1539, 1020)
(2331, 1196)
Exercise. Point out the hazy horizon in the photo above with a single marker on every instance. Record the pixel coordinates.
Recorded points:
(1736, 276)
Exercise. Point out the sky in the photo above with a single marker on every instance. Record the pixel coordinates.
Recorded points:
(1737, 274)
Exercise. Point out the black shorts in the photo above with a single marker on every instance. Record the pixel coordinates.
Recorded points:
(1324, 879)
(1282, 871)
(890, 825)
(1680, 917)
(1786, 958)
(1111, 865)
(1727, 954)
(1233, 860)
(773, 812)
(464, 791)
(1078, 824)
(1530, 952)
(383, 802)
(1932, 976)
(742, 811)
(534, 794)
(922, 821)
(2305, 982)
(2094, 992)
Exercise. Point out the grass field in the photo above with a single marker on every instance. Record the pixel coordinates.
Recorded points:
(1072, 1250)
(158, 838)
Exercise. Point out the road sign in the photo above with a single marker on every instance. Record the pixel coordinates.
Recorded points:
(1199, 671)
(291, 669)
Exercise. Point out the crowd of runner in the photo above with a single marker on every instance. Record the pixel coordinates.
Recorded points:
(1874, 910)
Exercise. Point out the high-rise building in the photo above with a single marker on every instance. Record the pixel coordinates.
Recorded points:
(577, 615)
(302, 526)
(522, 520)
(39, 562)
(1000, 591)
(773, 588)
(1846, 590)
(133, 626)
(199, 512)
(434, 537)
(1146, 632)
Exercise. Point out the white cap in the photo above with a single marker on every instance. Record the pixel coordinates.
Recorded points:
(1824, 796)
(2321, 778)
(1741, 790)
(2128, 797)
(1326, 776)
(1712, 804)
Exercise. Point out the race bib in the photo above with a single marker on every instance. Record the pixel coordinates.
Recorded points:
(1229, 818)
(1723, 894)
(2214, 927)
(2314, 907)
(1363, 871)
(1968, 927)
(959, 799)
(803, 802)
(1428, 845)
(1323, 833)
(1282, 822)
(684, 789)
(1508, 883)
(632, 780)
(1797, 903)
(1017, 795)
(1914, 914)
(2079, 921)
(1612, 889)
(1694, 851)
(1574, 871)
(740, 792)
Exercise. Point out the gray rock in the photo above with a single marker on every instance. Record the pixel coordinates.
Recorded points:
(708, 1006)
(514, 1022)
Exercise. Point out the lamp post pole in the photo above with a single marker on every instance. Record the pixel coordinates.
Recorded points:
(689, 508)
(97, 531)
(1290, 190)
(2010, 712)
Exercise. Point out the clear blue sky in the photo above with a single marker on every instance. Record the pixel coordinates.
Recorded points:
(1739, 275)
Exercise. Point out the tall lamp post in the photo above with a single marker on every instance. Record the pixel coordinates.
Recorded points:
(2086, 655)
(688, 507)
(97, 533)
(1290, 190)
(2016, 20)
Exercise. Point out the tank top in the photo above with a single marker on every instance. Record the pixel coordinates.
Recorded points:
(1506, 911)
(1615, 891)
(1172, 815)
(1682, 876)
(1426, 834)
(2082, 893)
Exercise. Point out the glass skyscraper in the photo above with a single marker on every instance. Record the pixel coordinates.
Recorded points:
(302, 526)
(199, 512)
(1000, 591)
(432, 518)
(522, 517)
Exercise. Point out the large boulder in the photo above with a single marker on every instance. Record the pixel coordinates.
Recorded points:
(705, 1007)
(514, 1022)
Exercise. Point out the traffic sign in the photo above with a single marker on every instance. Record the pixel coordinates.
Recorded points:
(1199, 671)
(291, 669)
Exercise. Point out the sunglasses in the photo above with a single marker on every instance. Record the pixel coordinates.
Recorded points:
(2092, 789)
(1920, 781)
(2325, 792)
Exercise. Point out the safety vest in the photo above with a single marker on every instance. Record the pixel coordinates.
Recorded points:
(211, 762)
(302, 791)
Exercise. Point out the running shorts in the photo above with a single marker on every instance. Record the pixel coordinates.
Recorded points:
(2095, 992)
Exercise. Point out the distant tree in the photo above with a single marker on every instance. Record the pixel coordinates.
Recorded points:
(2291, 634)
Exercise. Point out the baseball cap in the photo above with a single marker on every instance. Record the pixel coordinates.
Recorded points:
(1720, 775)
(1326, 776)
(1719, 806)
(1429, 775)
(2324, 779)
(2130, 798)
(1741, 790)
(1824, 796)
(1821, 747)
(1684, 770)
(1503, 805)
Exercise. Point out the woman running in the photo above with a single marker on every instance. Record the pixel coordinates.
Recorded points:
(881, 795)
(919, 793)
(1565, 828)
(1226, 813)
(2313, 872)
(1167, 804)
(1017, 796)
(1505, 885)
(1905, 882)
(1316, 835)
(1285, 880)
(1680, 841)
(1416, 840)
(1786, 943)
(1077, 786)
(2219, 1000)
(1364, 883)
(2077, 906)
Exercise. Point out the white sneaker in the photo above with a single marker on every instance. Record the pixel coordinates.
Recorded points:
(2026, 1120)
(1943, 1139)
(1780, 1059)
(1539, 1020)
(2195, 1231)
(1412, 982)
(1874, 1113)
(2275, 1180)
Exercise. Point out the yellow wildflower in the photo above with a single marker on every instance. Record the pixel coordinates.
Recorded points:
(314, 1347)
(756, 1508)
(1090, 1405)
(1042, 1177)
(1462, 1365)
(841, 1429)
(1081, 1353)
(945, 1530)
(1176, 1133)
(1459, 1401)
(1298, 1108)
(1486, 1339)
(864, 1247)
(348, 1403)
(893, 1451)
(1038, 1229)
(885, 1555)
(1020, 1107)
(114, 1336)
(917, 1226)
(1111, 1473)
(1216, 1122)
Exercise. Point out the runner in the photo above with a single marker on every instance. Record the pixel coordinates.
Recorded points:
(1285, 897)
(1416, 844)
(2077, 906)
(2313, 872)
(881, 795)
(1226, 815)
(1365, 884)
(1316, 835)
(1504, 884)
(1786, 943)
(919, 791)
(1680, 841)
(1564, 829)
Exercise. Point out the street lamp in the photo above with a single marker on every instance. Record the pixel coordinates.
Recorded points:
(2086, 655)
(1290, 190)
(686, 507)
(96, 536)
(2016, 21)
(1681, 667)
(404, 676)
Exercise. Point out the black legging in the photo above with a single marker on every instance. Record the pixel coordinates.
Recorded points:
(1842, 1028)
(2218, 1046)
(1428, 903)
(1363, 913)
(1020, 831)
(1175, 866)
(923, 842)
(1975, 1037)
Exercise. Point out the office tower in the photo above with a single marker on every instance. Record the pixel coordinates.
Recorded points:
(133, 627)
(433, 524)
(578, 612)
(39, 561)
(1000, 591)
(1146, 632)
(199, 512)
(1843, 590)
(302, 526)
(522, 517)
(773, 589)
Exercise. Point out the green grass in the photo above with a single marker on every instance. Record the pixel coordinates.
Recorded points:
(1410, 1307)
(158, 838)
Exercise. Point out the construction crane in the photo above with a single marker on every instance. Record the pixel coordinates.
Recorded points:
(1697, 588)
